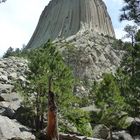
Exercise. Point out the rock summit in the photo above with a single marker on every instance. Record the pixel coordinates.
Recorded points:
(64, 18)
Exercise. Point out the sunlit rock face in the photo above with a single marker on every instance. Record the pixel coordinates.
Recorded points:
(64, 18)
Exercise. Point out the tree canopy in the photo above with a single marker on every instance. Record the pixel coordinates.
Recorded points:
(131, 11)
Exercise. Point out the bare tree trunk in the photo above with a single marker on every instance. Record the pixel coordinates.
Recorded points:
(37, 114)
(110, 131)
(52, 131)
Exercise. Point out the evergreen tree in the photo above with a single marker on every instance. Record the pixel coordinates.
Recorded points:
(9, 52)
(129, 78)
(108, 98)
(49, 74)
(131, 11)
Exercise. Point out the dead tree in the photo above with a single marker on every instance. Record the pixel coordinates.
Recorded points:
(52, 129)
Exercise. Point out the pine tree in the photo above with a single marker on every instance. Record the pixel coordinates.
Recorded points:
(129, 79)
(108, 98)
(131, 11)
(9, 52)
(50, 78)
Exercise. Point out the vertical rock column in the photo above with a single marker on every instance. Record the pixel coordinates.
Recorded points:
(64, 18)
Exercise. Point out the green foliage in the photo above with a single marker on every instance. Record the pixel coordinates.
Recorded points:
(130, 11)
(81, 121)
(47, 63)
(118, 44)
(17, 52)
(128, 76)
(130, 30)
(9, 52)
(108, 98)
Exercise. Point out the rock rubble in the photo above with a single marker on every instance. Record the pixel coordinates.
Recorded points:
(12, 70)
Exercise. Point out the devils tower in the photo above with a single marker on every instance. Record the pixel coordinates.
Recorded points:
(64, 18)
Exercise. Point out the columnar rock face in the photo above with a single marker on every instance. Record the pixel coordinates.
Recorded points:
(63, 18)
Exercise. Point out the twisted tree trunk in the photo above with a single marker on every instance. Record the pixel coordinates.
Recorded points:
(52, 131)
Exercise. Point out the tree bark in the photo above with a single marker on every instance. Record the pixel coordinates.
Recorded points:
(52, 130)
(110, 131)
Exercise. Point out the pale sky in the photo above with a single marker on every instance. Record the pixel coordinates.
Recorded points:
(18, 19)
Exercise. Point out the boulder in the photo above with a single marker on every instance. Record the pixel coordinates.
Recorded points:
(6, 88)
(136, 138)
(10, 129)
(11, 97)
(134, 128)
(2, 65)
(100, 131)
(7, 112)
(4, 78)
(8, 108)
(1, 98)
(22, 80)
(121, 135)
(75, 137)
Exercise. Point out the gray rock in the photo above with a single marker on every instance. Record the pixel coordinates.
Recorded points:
(2, 110)
(122, 135)
(75, 137)
(4, 78)
(11, 129)
(90, 62)
(91, 108)
(8, 108)
(13, 105)
(73, 16)
(2, 65)
(1, 69)
(11, 97)
(21, 78)
(6, 88)
(100, 131)
(8, 112)
(12, 76)
(134, 128)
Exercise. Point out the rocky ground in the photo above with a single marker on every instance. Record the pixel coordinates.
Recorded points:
(90, 55)
(11, 70)
(93, 54)
(15, 69)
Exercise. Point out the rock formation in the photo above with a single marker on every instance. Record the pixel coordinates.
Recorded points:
(15, 69)
(12, 70)
(64, 18)
(92, 55)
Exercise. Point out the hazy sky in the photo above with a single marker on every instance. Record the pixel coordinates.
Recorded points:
(18, 19)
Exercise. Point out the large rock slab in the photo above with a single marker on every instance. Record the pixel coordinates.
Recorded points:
(6, 88)
(122, 135)
(100, 131)
(11, 129)
(75, 137)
